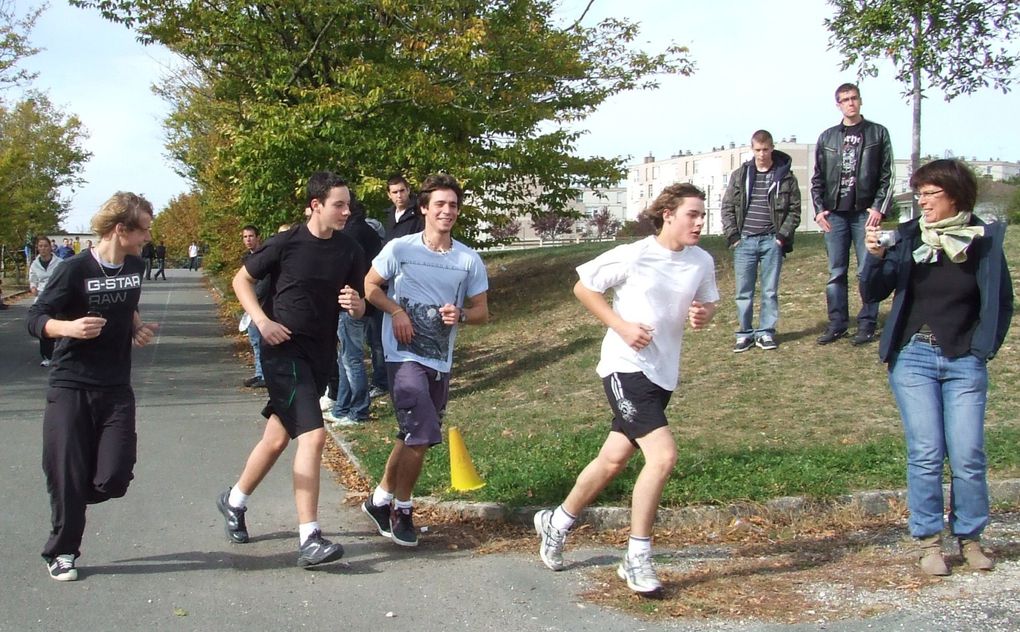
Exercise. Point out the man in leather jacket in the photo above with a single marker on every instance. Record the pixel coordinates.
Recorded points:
(851, 189)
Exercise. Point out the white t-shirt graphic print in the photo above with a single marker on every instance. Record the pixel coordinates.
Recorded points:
(654, 286)
(421, 281)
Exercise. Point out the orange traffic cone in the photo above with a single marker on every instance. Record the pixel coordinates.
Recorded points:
(463, 477)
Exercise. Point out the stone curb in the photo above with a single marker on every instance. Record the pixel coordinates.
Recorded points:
(866, 503)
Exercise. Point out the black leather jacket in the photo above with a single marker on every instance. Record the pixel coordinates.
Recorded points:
(874, 169)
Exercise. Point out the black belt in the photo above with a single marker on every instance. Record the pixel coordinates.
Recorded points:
(926, 337)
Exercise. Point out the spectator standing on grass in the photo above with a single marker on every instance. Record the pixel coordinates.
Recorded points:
(252, 240)
(760, 212)
(39, 274)
(91, 306)
(851, 189)
(950, 314)
(76, 245)
(434, 285)
(352, 396)
(160, 261)
(657, 283)
(316, 271)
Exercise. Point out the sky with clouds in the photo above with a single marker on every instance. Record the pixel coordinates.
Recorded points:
(759, 65)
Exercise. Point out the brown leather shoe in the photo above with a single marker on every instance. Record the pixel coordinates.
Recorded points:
(970, 549)
(930, 555)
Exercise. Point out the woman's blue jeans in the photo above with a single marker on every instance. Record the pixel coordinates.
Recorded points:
(942, 404)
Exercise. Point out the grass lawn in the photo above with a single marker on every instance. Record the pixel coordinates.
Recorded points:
(800, 420)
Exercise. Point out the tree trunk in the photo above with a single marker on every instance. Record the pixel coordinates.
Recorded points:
(915, 140)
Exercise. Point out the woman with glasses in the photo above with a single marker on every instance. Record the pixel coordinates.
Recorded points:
(952, 308)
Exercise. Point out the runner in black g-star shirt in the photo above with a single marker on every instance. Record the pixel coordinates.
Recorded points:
(91, 306)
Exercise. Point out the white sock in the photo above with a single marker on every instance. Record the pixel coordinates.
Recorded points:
(381, 497)
(237, 498)
(403, 504)
(306, 529)
(639, 546)
(562, 520)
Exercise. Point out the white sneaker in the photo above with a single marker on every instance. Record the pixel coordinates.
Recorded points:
(550, 549)
(639, 573)
(375, 392)
(325, 403)
(45, 362)
(329, 417)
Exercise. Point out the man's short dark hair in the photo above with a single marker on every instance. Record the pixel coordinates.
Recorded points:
(952, 176)
(762, 136)
(397, 179)
(252, 227)
(847, 87)
(320, 184)
(438, 182)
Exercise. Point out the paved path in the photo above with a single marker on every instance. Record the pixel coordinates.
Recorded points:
(158, 558)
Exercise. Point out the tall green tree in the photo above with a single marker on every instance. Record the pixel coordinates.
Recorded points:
(956, 46)
(41, 158)
(488, 90)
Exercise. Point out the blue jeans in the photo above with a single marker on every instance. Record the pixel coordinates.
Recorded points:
(373, 324)
(352, 390)
(754, 256)
(255, 338)
(942, 404)
(847, 230)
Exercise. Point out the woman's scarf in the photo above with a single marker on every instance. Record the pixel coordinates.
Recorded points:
(952, 236)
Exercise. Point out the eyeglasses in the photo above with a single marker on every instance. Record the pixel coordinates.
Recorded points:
(920, 195)
(848, 99)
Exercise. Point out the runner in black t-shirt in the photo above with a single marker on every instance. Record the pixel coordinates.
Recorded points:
(91, 306)
(314, 271)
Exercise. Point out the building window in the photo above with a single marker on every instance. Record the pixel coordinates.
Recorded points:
(649, 189)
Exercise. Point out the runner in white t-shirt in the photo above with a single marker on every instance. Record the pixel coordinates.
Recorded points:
(658, 283)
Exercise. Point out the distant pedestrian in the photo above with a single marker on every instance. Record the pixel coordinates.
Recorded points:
(316, 271)
(435, 285)
(76, 245)
(91, 306)
(851, 189)
(760, 212)
(193, 256)
(657, 284)
(160, 261)
(64, 250)
(148, 253)
(403, 217)
(39, 274)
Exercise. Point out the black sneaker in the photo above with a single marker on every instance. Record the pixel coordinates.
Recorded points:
(236, 530)
(402, 529)
(743, 344)
(255, 381)
(831, 335)
(62, 568)
(380, 516)
(318, 550)
(863, 337)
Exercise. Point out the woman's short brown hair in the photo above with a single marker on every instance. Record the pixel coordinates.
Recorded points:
(952, 176)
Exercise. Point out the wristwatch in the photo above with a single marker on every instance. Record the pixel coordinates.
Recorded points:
(463, 316)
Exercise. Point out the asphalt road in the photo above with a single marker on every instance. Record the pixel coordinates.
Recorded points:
(158, 558)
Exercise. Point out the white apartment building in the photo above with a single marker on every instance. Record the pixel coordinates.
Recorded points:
(710, 171)
(997, 170)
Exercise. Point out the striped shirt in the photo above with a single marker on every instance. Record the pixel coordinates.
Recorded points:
(759, 217)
